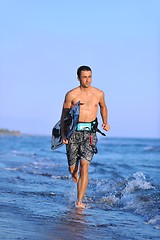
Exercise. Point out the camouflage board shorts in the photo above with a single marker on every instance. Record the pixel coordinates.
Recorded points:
(81, 145)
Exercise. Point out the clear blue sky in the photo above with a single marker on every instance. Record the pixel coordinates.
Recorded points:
(43, 42)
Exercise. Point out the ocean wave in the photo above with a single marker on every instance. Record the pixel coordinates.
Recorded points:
(152, 149)
(134, 194)
(40, 194)
(155, 221)
(138, 182)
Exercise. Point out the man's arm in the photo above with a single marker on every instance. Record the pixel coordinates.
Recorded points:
(104, 113)
(66, 107)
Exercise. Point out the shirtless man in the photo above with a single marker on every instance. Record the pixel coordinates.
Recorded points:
(82, 143)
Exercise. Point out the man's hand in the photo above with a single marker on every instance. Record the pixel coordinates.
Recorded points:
(106, 126)
(64, 140)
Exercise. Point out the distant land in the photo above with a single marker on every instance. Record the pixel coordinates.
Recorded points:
(9, 132)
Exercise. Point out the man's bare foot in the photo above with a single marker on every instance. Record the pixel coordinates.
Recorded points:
(79, 204)
(75, 177)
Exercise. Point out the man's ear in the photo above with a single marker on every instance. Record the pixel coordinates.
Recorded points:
(78, 78)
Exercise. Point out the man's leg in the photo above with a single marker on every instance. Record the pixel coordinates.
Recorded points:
(82, 183)
(74, 171)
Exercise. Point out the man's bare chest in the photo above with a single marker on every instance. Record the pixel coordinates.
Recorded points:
(88, 102)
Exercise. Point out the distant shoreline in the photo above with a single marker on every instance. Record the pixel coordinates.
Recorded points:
(9, 132)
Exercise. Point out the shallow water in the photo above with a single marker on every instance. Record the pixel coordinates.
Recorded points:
(37, 194)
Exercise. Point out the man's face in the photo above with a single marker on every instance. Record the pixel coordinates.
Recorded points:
(85, 78)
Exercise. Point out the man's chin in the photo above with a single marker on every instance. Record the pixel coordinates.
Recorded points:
(86, 86)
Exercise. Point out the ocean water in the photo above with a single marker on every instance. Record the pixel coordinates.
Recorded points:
(37, 194)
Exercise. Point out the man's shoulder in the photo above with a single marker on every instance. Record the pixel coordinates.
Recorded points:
(73, 91)
(97, 90)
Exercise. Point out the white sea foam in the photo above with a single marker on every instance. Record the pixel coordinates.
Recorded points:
(139, 182)
(155, 221)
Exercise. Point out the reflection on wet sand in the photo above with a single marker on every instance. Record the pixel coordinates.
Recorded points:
(72, 225)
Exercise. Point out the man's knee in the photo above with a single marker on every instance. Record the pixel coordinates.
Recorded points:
(73, 169)
(84, 167)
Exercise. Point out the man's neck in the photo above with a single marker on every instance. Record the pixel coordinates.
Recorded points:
(85, 89)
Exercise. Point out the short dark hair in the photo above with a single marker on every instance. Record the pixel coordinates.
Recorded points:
(82, 68)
